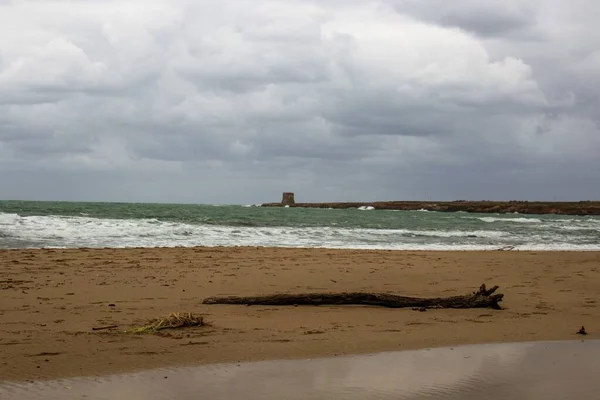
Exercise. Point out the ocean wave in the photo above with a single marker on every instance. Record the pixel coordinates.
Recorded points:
(576, 228)
(457, 234)
(81, 231)
(9, 219)
(517, 220)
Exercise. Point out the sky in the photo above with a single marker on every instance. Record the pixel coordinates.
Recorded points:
(234, 102)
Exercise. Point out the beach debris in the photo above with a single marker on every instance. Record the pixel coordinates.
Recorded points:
(45, 354)
(173, 321)
(483, 298)
(101, 328)
(582, 331)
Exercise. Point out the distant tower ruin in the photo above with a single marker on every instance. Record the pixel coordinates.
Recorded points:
(288, 198)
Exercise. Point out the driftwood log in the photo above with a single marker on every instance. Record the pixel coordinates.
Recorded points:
(483, 298)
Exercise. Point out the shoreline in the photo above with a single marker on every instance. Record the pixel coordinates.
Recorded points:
(446, 249)
(573, 208)
(50, 299)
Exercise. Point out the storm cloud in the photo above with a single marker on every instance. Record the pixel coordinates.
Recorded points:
(235, 101)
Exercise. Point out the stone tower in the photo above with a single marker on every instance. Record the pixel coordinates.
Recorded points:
(288, 198)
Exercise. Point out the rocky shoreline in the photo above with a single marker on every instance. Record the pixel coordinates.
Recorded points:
(521, 207)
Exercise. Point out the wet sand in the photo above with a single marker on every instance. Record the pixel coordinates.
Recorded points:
(540, 370)
(50, 300)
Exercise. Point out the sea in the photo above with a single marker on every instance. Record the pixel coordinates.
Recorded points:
(31, 224)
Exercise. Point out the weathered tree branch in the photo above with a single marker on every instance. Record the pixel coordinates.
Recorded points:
(483, 298)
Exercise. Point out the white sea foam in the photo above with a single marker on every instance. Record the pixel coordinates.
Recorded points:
(579, 227)
(433, 233)
(518, 220)
(8, 219)
(367, 208)
(81, 231)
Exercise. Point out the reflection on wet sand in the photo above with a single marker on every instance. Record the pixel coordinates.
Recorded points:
(543, 370)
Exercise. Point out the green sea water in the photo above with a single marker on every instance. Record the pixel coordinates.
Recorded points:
(78, 224)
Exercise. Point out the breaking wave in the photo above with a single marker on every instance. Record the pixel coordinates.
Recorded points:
(516, 220)
(85, 231)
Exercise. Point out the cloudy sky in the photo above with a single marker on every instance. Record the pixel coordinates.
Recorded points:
(235, 101)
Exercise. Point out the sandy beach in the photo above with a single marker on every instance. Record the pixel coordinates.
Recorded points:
(50, 301)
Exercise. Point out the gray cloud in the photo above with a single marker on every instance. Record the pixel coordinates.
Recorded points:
(490, 19)
(235, 102)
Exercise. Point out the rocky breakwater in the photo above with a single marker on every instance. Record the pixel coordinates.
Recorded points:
(522, 207)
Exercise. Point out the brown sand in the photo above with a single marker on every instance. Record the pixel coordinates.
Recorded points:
(51, 299)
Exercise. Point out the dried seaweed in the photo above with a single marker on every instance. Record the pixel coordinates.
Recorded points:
(173, 321)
